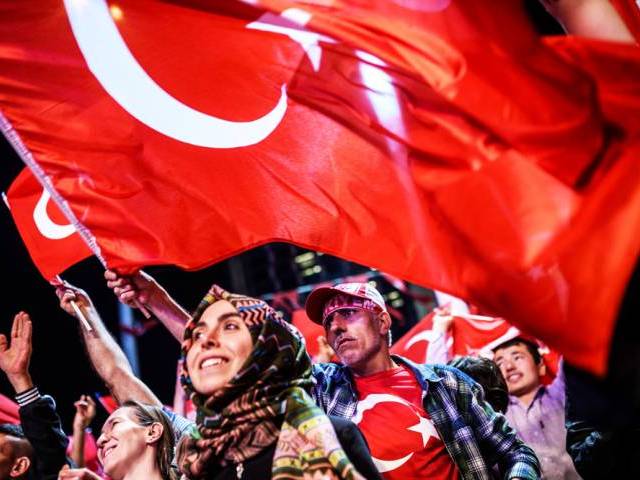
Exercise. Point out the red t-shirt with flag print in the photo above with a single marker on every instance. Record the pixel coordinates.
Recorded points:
(403, 440)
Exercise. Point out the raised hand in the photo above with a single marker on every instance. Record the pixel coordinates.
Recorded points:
(67, 294)
(132, 290)
(85, 412)
(325, 352)
(15, 354)
(442, 319)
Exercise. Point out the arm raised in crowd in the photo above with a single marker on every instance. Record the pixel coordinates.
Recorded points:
(142, 289)
(596, 19)
(85, 412)
(38, 417)
(437, 349)
(105, 354)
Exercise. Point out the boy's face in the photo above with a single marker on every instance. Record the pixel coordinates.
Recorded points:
(519, 369)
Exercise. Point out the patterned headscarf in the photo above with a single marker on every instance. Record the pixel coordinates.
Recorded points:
(241, 419)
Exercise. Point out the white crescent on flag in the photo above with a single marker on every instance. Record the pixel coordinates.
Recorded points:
(119, 73)
(45, 225)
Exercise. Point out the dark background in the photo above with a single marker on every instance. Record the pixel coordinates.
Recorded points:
(59, 366)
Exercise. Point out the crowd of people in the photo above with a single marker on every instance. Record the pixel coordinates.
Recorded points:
(265, 410)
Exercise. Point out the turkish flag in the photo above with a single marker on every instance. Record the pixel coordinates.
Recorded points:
(414, 343)
(468, 335)
(53, 243)
(488, 76)
(495, 170)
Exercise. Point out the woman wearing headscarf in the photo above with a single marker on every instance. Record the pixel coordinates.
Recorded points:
(248, 374)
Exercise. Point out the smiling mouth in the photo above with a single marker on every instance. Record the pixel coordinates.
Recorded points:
(212, 362)
(107, 451)
(514, 377)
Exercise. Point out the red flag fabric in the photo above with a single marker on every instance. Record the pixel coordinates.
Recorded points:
(53, 243)
(108, 402)
(8, 410)
(468, 335)
(415, 342)
(195, 133)
(473, 58)
(311, 331)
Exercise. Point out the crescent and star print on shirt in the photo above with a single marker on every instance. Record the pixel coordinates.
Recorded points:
(403, 440)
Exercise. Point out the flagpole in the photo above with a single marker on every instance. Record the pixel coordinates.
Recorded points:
(25, 155)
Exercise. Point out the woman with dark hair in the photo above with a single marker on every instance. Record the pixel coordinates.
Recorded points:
(136, 442)
(248, 374)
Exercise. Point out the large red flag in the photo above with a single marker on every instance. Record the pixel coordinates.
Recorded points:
(52, 242)
(484, 66)
(192, 134)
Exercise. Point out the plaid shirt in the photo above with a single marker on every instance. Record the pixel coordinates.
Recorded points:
(475, 436)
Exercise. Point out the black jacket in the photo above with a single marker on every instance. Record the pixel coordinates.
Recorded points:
(43, 428)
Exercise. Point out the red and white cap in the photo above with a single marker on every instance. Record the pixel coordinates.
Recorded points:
(326, 300)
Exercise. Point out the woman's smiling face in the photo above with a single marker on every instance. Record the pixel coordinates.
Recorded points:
(121, 442)
(221, 345)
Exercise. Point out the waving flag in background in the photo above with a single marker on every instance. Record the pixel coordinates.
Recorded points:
(449, 147)
(53, 243)
(469, 334)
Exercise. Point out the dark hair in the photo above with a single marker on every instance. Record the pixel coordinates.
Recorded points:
(488, 375)
(12, 429)
(147, 415)
(531, 346)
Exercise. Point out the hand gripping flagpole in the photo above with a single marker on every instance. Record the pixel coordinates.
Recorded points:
(79, 313)
(25, 155)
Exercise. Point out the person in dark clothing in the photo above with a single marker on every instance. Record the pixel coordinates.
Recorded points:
(488, 375)
(603, 454)
(249, 376)
(38, 417)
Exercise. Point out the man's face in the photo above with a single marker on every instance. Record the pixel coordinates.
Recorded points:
(355, 335)
(519, 369)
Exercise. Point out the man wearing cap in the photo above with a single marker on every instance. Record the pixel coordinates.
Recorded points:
(420, 421)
